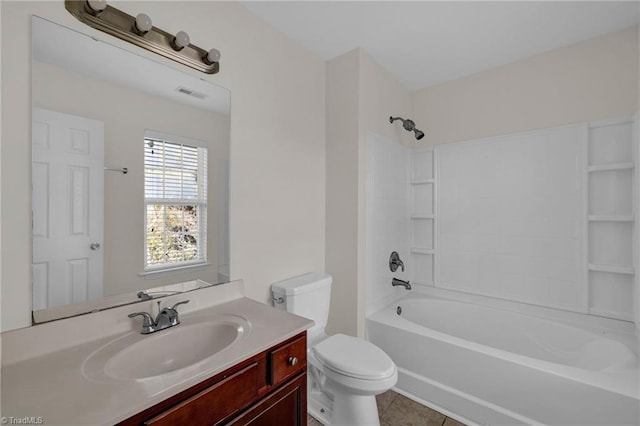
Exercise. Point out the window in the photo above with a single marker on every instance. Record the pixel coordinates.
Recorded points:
(175, 196)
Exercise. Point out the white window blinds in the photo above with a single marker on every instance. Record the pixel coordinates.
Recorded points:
(175, 187)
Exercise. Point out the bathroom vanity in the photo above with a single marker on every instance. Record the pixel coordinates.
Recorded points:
(268, 388)
(231, 360)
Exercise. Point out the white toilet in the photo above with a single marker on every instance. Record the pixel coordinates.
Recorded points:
(344, 373)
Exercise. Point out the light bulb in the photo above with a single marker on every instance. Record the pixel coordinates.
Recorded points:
(181, 40)
(142, 24)
(212, 56)
(95, 7)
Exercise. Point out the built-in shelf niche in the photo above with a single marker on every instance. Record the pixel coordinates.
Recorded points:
(610, 144)
(422, 233)
(422, 208)
(610, 221)
(422, 200)
(610, 192)
(608, 295)
(422, 264)
(611, 243)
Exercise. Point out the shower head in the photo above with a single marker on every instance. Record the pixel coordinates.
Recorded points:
(409, 126)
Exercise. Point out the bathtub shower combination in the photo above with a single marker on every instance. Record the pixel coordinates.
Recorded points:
(520, 250)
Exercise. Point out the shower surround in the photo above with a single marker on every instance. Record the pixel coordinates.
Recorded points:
(545, 217)
(541, 223)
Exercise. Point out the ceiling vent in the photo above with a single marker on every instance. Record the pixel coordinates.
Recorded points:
(191, 93)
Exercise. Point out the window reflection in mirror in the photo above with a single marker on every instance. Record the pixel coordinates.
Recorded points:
(175, 198)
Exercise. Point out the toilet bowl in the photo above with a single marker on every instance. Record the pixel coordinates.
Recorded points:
(354, 371)
(344, 373)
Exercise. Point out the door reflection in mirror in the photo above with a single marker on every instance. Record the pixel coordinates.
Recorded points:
(68, 185)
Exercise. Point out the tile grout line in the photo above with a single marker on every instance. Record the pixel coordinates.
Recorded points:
(388, 406)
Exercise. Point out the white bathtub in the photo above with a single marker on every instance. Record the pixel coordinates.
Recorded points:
(493, 366)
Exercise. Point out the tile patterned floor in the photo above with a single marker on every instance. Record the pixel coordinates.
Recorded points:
(397, 410)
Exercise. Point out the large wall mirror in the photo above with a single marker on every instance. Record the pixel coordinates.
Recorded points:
(130, 165)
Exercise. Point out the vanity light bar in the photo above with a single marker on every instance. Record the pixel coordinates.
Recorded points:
(139, 31)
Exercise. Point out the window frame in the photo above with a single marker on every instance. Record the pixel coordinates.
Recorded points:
(201, 203)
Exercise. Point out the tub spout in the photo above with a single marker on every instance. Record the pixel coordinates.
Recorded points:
(396, 281)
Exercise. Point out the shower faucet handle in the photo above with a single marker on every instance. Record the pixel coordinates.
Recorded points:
(394, 262)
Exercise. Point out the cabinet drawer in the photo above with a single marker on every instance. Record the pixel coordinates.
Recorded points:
(214, 403)
(288, 360)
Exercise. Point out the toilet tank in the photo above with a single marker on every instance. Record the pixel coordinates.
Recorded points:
(306, 295)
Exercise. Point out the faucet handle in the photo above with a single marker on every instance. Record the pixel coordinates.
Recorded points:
(394, 262)
(147, 318)
(178, 304)
(148, 324)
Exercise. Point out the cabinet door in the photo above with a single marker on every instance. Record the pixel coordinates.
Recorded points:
(285, 407)
(215, 403)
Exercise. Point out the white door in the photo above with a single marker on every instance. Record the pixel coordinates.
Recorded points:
(67, 224)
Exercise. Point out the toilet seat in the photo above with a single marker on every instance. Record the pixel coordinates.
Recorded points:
(354, 358)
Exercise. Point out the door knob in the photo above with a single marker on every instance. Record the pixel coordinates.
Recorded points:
(94, 246)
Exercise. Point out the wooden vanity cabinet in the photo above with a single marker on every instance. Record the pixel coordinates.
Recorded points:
(267, 389)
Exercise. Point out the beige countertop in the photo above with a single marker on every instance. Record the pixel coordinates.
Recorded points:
(56, 386)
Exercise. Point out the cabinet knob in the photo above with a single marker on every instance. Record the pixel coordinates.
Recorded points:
(292, 361)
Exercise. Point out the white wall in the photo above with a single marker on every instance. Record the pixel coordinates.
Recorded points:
(587, 81)
(342, 191)
(382, 96)
(361, 95)
(277, 182)
(126, 114)
(637, 207)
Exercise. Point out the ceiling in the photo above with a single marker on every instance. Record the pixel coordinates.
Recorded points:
(427, 43)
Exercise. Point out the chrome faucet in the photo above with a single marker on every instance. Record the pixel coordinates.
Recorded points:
(167, 317)
(396, 281)
(394, 262)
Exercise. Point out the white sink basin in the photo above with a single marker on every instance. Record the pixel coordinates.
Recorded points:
(138, 357)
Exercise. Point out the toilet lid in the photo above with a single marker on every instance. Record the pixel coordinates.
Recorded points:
(354, 358)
